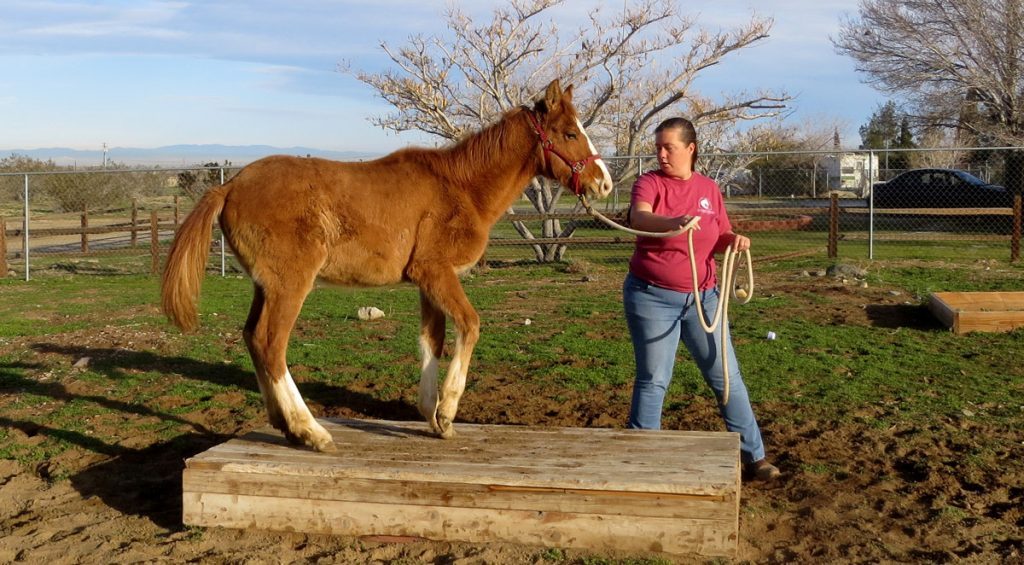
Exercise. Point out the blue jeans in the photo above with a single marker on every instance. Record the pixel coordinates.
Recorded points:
(658, 318)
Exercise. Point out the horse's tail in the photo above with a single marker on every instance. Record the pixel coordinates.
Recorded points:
(186, 263)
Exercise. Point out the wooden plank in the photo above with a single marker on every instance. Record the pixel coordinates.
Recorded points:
(562, 240)
(923, 236)
(942, 311)
(934, 211)
(965, 312)
(681, 462)
(597, 532)
(454, 493)
(668, 491)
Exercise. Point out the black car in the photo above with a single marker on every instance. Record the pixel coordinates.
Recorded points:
(939, 188)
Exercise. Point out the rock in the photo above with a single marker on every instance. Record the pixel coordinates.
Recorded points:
(847, 271)
(369, 313)
(82, 363)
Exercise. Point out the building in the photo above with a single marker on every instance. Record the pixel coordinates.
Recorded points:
(851, 172)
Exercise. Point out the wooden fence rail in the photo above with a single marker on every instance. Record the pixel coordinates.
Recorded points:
(745, 220)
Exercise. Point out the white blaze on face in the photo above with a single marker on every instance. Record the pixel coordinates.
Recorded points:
(606, 186)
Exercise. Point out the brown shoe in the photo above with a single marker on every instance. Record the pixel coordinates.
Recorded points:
(761, 471)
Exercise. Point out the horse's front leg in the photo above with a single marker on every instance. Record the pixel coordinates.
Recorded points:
(467, 325)
(441, 287)
(432, 324)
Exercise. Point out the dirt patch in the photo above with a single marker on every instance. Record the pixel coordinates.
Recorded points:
(852, 493)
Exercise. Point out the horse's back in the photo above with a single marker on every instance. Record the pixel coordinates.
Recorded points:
(352, 223)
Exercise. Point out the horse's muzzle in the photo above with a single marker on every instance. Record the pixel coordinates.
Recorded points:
(602, 185)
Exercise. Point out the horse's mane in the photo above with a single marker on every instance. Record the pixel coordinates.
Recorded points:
(464, 160)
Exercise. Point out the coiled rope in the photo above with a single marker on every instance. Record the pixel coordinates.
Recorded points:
(721, 319)
(727, 282)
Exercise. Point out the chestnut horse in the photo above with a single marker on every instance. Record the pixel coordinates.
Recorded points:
(417, 215)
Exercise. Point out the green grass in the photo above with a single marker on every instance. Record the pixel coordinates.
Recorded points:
(577, 341)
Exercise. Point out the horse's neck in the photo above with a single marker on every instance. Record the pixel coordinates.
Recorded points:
(497, 163)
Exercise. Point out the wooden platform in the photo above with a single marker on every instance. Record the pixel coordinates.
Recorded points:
(978, 311)
(598, 489)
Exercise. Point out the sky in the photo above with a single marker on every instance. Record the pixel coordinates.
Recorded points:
(150, 73)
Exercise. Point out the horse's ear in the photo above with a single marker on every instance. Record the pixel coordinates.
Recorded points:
(567, 94)
(553, 96)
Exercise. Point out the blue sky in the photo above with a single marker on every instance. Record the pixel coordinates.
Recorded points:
(148, 73)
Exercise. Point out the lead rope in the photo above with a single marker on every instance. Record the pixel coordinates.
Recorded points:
(688, 226)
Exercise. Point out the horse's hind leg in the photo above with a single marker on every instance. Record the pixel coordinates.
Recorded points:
(255, 311)
(271, 319)
(432, 323)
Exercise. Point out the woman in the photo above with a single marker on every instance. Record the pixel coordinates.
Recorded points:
(658, 292)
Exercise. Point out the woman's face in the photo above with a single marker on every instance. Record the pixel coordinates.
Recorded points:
(674, 156)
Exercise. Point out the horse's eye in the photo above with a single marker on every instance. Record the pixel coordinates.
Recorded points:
(570, 135)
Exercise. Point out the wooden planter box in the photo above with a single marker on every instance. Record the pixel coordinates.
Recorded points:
(979, 311)
(597, 489)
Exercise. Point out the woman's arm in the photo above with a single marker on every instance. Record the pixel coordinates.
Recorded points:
(642, 217)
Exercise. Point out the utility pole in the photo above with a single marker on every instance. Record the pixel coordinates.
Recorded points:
(104, 154)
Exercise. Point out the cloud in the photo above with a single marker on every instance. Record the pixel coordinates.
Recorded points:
(138, 20)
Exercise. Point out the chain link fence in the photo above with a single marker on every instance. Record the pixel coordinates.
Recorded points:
(907, 204)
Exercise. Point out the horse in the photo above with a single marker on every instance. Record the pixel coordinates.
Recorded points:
(417, 215)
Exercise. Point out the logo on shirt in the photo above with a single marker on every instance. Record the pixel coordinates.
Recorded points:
(705, 204)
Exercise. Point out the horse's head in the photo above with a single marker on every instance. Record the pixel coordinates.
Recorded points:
(569, 155)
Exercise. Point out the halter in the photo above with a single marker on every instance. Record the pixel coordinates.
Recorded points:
(575, 166)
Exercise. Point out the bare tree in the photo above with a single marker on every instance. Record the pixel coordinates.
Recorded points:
(958, 64)
(942, 152)
(630, 69)
(750, 155)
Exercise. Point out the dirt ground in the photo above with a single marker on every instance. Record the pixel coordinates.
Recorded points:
(889, 495)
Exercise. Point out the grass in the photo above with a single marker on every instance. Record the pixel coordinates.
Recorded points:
(576, 340)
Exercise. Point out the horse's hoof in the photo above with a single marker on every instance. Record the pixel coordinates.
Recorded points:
(445, 428)
(324, 446)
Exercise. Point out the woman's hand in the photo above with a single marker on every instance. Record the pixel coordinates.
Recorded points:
(682, 221)
(738, 242)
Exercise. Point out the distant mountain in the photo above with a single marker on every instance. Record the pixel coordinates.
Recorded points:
(178, 155)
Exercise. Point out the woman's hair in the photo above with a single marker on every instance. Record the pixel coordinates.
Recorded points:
(687, 133)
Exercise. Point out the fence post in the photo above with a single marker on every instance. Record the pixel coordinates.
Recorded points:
(3, 248)
(85, 226)
(24, 233)
(176, 211)
(154, 243)
(223, 251)
(1015, 234)
(833, 226)
(135, 222)
(1014, 182)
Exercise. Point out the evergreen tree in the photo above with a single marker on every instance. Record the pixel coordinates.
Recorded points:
(888, 129)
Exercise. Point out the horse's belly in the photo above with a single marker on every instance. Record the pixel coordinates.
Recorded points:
(356, 265)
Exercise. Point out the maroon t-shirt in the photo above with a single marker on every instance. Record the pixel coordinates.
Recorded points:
(665, 261)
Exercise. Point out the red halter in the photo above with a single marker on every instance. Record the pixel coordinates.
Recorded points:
(575, 166)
